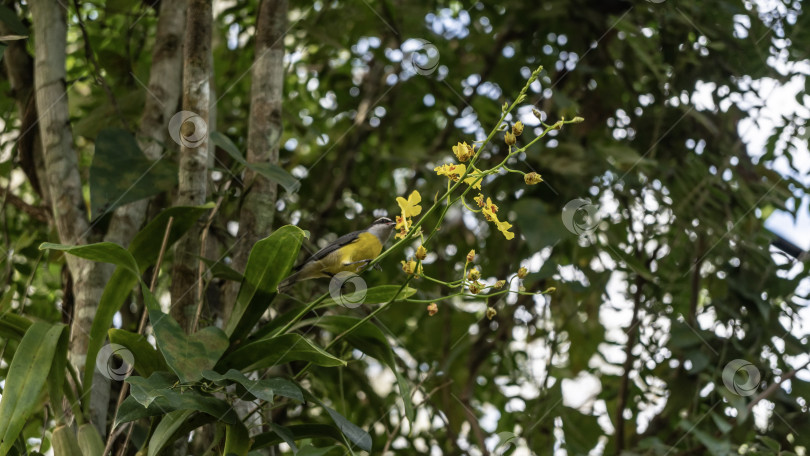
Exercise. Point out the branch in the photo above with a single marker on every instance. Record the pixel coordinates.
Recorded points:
(38, 212)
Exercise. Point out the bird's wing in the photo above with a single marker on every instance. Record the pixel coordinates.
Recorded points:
(338, 243)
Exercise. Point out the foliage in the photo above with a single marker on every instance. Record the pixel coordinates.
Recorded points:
(615, 336)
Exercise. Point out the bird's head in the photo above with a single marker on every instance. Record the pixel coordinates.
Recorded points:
(382, 228)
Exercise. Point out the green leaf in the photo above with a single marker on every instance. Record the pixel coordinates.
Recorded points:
(268, 170)
(145, 248)
(25, 379)
(64, 442)
(9, 17)
(358, 436)
(169, 400)
(276, 351)
(146, 358)
(237, 440)
(286, 435)
(90, 441)
(121, 173)
(187, 355)
(298, 432)
(269, 262)
(13, 326)
(102, 252)
(146, 390)
(263, 389)
(56, 375)
(165, 430)
(370, 340)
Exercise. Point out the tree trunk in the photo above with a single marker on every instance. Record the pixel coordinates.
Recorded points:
(62, 172)
(264, 133)
(193, 175)
(162, 98)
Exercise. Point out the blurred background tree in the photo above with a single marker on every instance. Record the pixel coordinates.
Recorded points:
(677, 279)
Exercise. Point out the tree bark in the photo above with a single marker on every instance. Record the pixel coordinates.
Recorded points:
(162, 97)
(62, 173)
(193, 174)
(264, 133)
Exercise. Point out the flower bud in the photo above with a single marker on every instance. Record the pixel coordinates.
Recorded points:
(491, 312)
(537, 114)
(473, 275)
(522, 272)
(509, 138)
(421, 253)
(463, 152)
(505, 106)
(471, 256)
(499, 284)
(432, 308)
(532, 178)
(517, 128)
(409, 266)
(577, 119)
(476, 287)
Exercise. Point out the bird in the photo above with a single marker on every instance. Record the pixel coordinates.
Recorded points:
(350, 253)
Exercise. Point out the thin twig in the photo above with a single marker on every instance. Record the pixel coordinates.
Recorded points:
(141, 327)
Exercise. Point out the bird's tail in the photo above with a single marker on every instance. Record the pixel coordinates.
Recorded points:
(287, 283)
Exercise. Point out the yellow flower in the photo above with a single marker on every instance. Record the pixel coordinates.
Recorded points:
(471, 256)
(532, 178)
(517, 128)
(510, 138)
(479, 200)
(491, 312)
(522, 272)
(463, 152)
(453, 172)
(409, 266)
(473, 275)
(421, 252)
(489, 210)
(499, 284)
(472, 178)
(432, 308)
(410, 207)
(504, 228)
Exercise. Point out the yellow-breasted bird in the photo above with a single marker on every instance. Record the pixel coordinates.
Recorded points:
(347, 253)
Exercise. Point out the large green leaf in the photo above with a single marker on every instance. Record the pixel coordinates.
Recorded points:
(270, 171)
(298, 432)
(26, 377)
(146, 390)
(237, 440)
(370, 340)
(147, 359)
(357, 436)
(13, 326)
(145, 248)
(263, 389)
(102, 252)
(170, 399)
(164, 432)
(56, 376)
(186, 354)
(276, 351)
(121, 173)
(269, 262)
